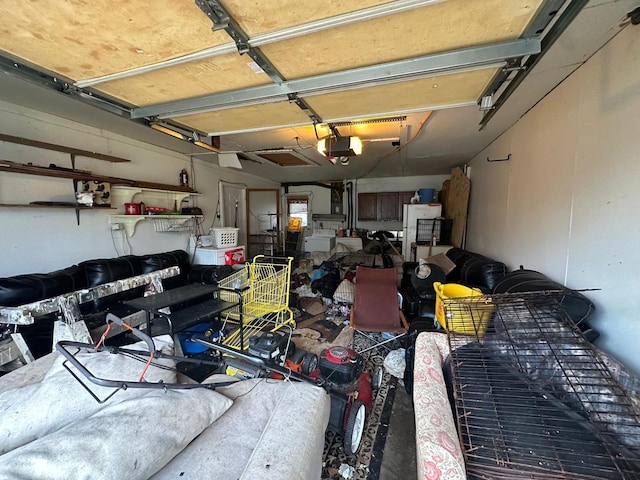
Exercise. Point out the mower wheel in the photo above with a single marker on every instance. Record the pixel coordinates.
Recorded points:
(309, 363)
(355, 427)
(376, 377)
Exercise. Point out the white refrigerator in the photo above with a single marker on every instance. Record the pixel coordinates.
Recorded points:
(410, 215)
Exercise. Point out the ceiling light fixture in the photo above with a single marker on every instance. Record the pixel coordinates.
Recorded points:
(340, 146)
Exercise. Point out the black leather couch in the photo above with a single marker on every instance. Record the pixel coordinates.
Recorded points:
(23, 289)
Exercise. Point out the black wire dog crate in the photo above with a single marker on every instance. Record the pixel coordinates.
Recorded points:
(533, 398)
(428, 228)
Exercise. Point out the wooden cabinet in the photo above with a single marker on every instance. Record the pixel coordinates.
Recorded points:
(383, 206)
(388, 206)
(368, 206)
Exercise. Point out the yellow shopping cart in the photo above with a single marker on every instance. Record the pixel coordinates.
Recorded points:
(264, 298)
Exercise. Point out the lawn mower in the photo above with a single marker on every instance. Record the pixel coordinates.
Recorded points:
(339, 370)
(274, 349)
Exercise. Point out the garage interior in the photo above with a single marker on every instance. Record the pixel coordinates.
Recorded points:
(534, 102)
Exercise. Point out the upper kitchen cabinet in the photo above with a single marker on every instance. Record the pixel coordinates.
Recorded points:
(383, 206)
(388, 206)
(368, 206)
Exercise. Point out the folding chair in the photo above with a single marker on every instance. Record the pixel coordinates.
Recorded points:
(376, 306)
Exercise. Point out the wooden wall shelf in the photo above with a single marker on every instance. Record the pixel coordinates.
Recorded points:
(61, 148)
(79, 175)
(53, 205)
(122, 194)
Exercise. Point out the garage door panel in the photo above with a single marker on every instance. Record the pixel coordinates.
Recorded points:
(192, 79)
(426, 93)
(440, 27)
(254, 117)
(82, 40)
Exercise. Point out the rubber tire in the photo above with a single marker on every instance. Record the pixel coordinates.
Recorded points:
(353, 429)
(376, 377)
(309, 363)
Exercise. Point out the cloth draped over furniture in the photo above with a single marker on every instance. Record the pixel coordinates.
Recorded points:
(242, 431)
(87, 291)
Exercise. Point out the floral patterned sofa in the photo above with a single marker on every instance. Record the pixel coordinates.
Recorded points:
(438, 451)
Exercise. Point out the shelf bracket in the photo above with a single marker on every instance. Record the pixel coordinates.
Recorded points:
(128, 221)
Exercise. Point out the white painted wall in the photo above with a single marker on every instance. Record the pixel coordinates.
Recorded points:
(319, 203)
(400, 184)
(566, 202)
(42, 240)
(319, 198)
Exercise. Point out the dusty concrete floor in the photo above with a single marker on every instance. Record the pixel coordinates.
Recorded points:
(399, 456)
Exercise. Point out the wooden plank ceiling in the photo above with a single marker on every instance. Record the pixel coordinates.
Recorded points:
(85, 41)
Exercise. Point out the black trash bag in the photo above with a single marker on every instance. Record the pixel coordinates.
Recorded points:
(328, 283)
(387, 261)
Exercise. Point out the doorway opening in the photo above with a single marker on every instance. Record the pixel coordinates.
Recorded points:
(263, 222)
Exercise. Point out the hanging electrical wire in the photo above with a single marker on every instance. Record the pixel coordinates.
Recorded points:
(216, 215)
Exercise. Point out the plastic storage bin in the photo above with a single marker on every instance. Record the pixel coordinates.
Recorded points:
(224, 237)
(188, 345)
(426, 194)
(458, 311)
(218, 256)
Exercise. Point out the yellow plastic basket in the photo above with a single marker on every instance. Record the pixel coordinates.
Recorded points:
(461, 309)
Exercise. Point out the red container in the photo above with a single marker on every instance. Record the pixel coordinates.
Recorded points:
(132, 209)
